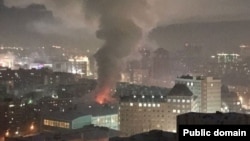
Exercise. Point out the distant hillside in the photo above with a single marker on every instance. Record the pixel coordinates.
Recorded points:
(213, 36)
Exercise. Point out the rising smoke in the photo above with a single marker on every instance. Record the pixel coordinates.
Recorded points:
(121, 31)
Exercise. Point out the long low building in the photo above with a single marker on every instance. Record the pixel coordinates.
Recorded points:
(95, 114)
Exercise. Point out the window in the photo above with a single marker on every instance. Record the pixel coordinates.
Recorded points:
(158, 105)
(131, 104)
(192, 84)
(140, 104)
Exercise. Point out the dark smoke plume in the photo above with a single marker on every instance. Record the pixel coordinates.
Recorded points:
(121, 34)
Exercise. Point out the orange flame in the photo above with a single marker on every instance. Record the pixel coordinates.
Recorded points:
(103, 95)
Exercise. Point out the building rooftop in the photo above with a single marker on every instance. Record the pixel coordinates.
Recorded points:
(214, 118)
(84, 110)
(180, 90)
(153, 135)
(124, 89)
(133, 93)
(143, 98)
(191, 77)
(85, 133)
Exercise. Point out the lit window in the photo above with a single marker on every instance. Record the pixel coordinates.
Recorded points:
(174, 100)
(169, 100)
(131, 104)
(158, 105)
(145, 105)
(183, 100)
(192, 84)
(153, 105)
(188, 83)
(153, 96)
(134, 96)
(174, 111)
(149, 105)
(178, 100)
(140, 104)
(188, 101)
(212, 84)
(143, 96)
(178, 111)
(161, 96)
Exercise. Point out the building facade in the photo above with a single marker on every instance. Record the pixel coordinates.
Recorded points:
(207, 90)
(179, 100)
(144, 108)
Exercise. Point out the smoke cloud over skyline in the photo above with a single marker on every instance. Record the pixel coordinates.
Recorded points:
(118, 27)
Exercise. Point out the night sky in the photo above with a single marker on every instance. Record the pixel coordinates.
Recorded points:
(214, 24)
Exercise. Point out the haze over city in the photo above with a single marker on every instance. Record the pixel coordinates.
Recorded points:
(131, 66)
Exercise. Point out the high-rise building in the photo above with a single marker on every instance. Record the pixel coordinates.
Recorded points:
(79, 65)
(207, 90)
(145, 58)
(160, 63)
(139, 76)
(228, 58)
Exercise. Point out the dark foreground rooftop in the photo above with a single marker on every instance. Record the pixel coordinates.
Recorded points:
(153, 135)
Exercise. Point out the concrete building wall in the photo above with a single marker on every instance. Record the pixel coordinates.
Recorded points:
(138, 117)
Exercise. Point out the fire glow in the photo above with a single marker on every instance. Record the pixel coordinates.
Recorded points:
(103, 95)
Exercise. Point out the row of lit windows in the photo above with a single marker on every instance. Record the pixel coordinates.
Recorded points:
(192, 84)
(56, 123)
(143, 104)
(176, 111)
(179, 111)
(179, 100)
(144, 96)
(147, 105)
